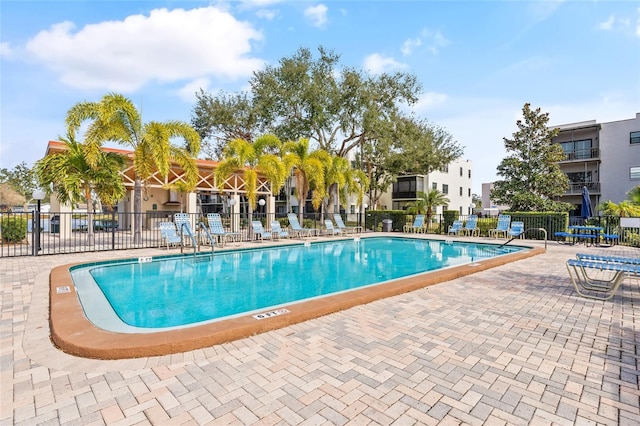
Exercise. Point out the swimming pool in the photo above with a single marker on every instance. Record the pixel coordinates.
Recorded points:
(147, 296)
(72, 331)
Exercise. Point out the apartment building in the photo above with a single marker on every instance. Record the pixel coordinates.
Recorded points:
(604, 157)
(454, 181)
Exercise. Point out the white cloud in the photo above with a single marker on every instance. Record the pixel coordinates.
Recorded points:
(377, 64)
(166, 46)
(432, 41)
(430, 99)
(621, 24)
(409, 45)
(266, 14)
(188, 92)
(608, 24)
(5, 50)
(317, 15)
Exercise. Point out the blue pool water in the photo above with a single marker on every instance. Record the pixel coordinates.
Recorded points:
(180, 290)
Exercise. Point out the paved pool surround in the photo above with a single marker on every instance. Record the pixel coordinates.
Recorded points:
(73, 333)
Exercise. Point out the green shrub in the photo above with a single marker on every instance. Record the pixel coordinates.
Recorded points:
(485, 224)
(14, 229)
(448, 216)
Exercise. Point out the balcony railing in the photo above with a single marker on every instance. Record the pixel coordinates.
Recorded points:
(575, 188)
(582, 154)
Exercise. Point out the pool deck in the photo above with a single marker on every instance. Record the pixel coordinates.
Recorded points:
(509, 345)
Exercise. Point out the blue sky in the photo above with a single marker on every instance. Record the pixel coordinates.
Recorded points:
(479, 61)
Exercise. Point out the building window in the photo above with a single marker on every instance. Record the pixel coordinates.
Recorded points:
(460, 210)
(634, 173)
(445, 169)
(634, 138)
(469, 192)
(469, 173)
(461, 172)
(461, 191)
(434, 185)
(352, 208)
(577, 150)
(445, 188)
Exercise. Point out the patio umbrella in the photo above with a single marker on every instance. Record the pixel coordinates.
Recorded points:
(586, 211)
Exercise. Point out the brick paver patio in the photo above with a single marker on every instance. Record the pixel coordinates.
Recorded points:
(511, 345)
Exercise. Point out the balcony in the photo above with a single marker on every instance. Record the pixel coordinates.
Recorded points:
(404, 195)
(575, 188)
(582, 155)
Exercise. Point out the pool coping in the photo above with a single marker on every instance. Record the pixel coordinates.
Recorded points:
(73, 333)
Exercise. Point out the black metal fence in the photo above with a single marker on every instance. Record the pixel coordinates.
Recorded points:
(33, 233)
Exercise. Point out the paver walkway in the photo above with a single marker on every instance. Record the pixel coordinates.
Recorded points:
(511, 345)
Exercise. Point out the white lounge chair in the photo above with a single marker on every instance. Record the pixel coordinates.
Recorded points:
(169, 234)
(258, 230)
(612, 274)
(276, 230)
(455, 228)
(345, 229)
(217, 230)
(329, 229)
(299, 230)
(470, 228)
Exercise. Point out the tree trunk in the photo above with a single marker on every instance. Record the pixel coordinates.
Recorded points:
(137, 212)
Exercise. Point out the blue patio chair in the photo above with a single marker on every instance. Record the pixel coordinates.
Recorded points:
(217, 229)
(299, 230)
(417, 226)
(470, 228)
(504, 222)
(516, 230)
(345, 229)
(258, 230)
(276, 230)
(169, 234)
(455, 228)
(330, 229)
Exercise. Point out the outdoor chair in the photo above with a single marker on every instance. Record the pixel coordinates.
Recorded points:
(455, 228)
(610, 275)
(345, 229)
(470, 228)
(276, 230)
(329, 229)
(183, 223)
(501, 230)
(217, 230)
(258, 230)
(299, 230)
(516, 230)
(169, 234)
(417, 226)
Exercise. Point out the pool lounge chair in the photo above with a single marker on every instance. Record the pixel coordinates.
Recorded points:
(455, 228)
(345, 229)
(258, 231)
(277, 232)
(217, 230)
(501, 230)
(417, 226)
(183, 223)
(516, 230)
(169, 234)
(470, 228)
(329, 229)
(299, 230)
(612, 274)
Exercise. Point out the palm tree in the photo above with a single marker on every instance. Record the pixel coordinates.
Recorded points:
(115, 118)
(76, 179)
(253, 159)
(624, 209)
(427, 202)
(355, 183)
(634, 195)
(308, 173)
